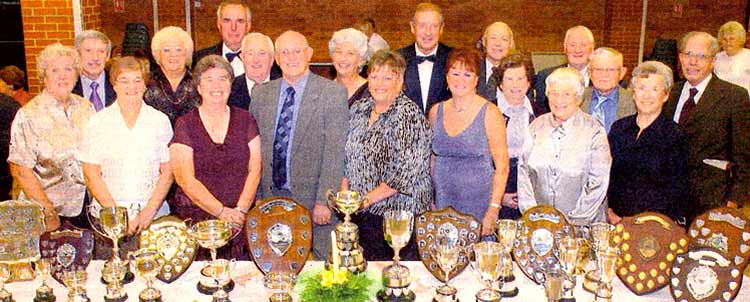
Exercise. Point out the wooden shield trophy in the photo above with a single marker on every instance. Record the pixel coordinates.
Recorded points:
(724, 229)
(69, 250)
(445, 222)
(649, 243)
(21, 224)
(176, 249)
(279, 233)
(704, 274)
(539, 229)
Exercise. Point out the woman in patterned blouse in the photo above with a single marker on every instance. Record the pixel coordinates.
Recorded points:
(387, 154)
(170, 88)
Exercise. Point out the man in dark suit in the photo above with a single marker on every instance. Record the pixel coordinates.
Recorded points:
(715, 116)
(257, 56)
(605, 100)
(498, 43)
(303, 119)
(578, 45)
(424, 79)
(94, 49)
(233, 19)
(8, 109)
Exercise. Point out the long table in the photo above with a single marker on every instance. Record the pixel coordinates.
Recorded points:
(249, 286)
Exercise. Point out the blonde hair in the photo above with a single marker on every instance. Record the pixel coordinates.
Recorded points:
(172, 33)
(732, 28)
(53, 52)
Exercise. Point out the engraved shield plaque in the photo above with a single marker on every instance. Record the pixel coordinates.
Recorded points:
(649, 243)
(176, 249)
(704, 274)
(279, 234)
(68, 250)
(724, 229)
(538, 230)
(21, 224)
(446, 222)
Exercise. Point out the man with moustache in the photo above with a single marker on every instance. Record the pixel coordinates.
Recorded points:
(606, 101)
(233, 19)
(578, 45)
(715, 116)
(257, 57)
(94, 48)
(498, 43)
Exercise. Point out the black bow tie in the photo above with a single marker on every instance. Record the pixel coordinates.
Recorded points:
(231, 55)
(431, 58)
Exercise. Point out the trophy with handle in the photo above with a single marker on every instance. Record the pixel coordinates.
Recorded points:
(213, 234)
(144, 261)
(489, 257)
(397, 228)
(43, 292)
(347, 233)
(113, 224)
(506, 235)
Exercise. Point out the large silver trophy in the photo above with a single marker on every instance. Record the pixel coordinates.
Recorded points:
(489, 261)
(601, 235)
(113, 224)
(144, 261)
(506, 235)
(397, 228)
(347, 233)
(213, 234)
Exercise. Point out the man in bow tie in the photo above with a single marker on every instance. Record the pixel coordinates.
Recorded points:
(424, 79)
(233, 19)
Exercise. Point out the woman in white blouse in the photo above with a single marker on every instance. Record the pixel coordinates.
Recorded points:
(125, 151)
(733, 63)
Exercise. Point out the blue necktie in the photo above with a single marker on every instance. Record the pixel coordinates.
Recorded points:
(231, 55)
(281, 140)
(598, 111)
(94, 98)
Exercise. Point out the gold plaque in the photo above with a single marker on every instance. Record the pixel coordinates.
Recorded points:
(175, 248)
(461, 228)
(539, 229)
(21, 224)
(279, 234)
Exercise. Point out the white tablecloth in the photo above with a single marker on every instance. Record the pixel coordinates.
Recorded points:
(249, 286)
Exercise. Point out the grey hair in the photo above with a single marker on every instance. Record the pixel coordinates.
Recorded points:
(349, 35)
(208, 62)
(248, 13)
(566, 75)
(586, 31)
(53, 52)
(170, 33)
(499, 24)
(713, 42)
(608, 52)
(648, 68)
(267, 39)
(732, 28)
(92, 34)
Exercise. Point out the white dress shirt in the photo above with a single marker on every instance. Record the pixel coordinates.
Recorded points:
(686, 94)
(488, 70)
(734, 69)
(86, 87)
(425, 74)
(585, 74)
(251, 83)
(237, 65)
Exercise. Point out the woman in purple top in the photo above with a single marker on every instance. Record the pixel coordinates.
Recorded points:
(215, 156)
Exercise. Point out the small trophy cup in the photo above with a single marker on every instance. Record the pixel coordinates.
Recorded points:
(146, 265)
(213, 234)
(554, 284)
(568, 256)
(44, 292)
(5, 295)
(279, 284)
(606, 259)
(444, 251)
(397, 227)
(601, 233)
(347, 233)
(113, 222)
(75, 281)
(112, 273)
(489, 257)
(506, 235)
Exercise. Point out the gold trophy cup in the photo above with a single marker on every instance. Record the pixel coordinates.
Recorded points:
(601, 234)
(113, 224)
(444, 251)
(75, 282)
(397, 228)
(489, 261)
(347, 233)
(213, 234)
(144, 261)
(606, 260)
(279, 284)
(506, 235)
(568, 248)
(44, 292)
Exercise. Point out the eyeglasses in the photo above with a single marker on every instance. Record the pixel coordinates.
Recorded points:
(603, 70)
(295, 51)
(698, 56)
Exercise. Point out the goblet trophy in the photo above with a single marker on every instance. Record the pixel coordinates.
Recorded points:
(444, 251)
(554, 284)
(112, 273)
(145, 263)
(601, 232)
(213, 234)
(567, 249)
(5, 295)
(397, 228)
(506, 235)
(489, 260)
(114, 224)
(605, 263)
(279, 284)
(44, 292)
(347, 233)
(75, 281)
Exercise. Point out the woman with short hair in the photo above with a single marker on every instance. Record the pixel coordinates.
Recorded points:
(733, 62)
(348, 49)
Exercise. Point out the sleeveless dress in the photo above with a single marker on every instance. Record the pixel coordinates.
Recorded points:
(463, 167)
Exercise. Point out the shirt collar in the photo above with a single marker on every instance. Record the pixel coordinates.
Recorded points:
(503, 104)
(299, 86)
(488, 69)
(596, 95)
(419, 53)
(701, 86)
(86, 82)
(225, 49)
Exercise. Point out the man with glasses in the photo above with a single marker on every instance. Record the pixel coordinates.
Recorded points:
(715, 116)
(606, 101)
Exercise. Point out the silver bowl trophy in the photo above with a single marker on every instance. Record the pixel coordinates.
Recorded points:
(606, 260)
(43, 292)
(113, 272)
(489, 259)
(75, 282)
(145, 263)
(444, 251)
(506, 235)
(213, 234)
(567, 255)
(347, 233)
(113, 224)
(397, 228)
(279, 284)
(5, 295)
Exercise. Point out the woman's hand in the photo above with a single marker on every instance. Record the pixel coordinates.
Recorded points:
(233, 216)
(141, 221)
(489, 222)
(510, 200)
(51, 220)
(612, 218)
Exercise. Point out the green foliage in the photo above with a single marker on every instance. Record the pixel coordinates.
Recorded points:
(356, 288)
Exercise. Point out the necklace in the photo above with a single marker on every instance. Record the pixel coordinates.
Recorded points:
(459, 109)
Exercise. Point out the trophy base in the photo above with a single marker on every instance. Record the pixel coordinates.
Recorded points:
(45, 297)
(509, 293)
(224, 298)
(150, 295)
(591, 282)
(129, 277)
(571, 299)
(488, 295)
(7, 299)
(210, 290)
(150, 300)
(354, 265)
(445, 293)
(120, 299)
(509, 288)
(396, 295)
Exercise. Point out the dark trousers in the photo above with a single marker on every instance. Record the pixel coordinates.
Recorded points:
(372, 239)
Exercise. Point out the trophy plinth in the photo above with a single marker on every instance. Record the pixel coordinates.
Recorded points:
(347, 233)
(397, 227)
(75, 282)
(213, 234)
(507, 230)
(396, 280)
(221, 269)
(112, 273)
(279, 284)
(43, 292)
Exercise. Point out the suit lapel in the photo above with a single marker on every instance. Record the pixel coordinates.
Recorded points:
(586, 104)
(437, 80)
(307, 109)
(708, 100)
(624, 100)
(411, 79)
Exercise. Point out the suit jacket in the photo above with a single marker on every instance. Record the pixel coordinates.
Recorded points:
(438, 91)
(717, 129)
(540, 86)
(109, 92)
(216, 49)
(317, 150)
(240, 95)
(486, 89)
(625, 103)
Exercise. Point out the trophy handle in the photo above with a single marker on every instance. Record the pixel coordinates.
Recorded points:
(93, 221)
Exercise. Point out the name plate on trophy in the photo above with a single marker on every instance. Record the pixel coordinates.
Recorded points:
(539, 229)
(704, 274)
(446, 222)
(68, 250)
(279, 234)
(175, 248)
(649, 243)
(724, 229)
(21, 224)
